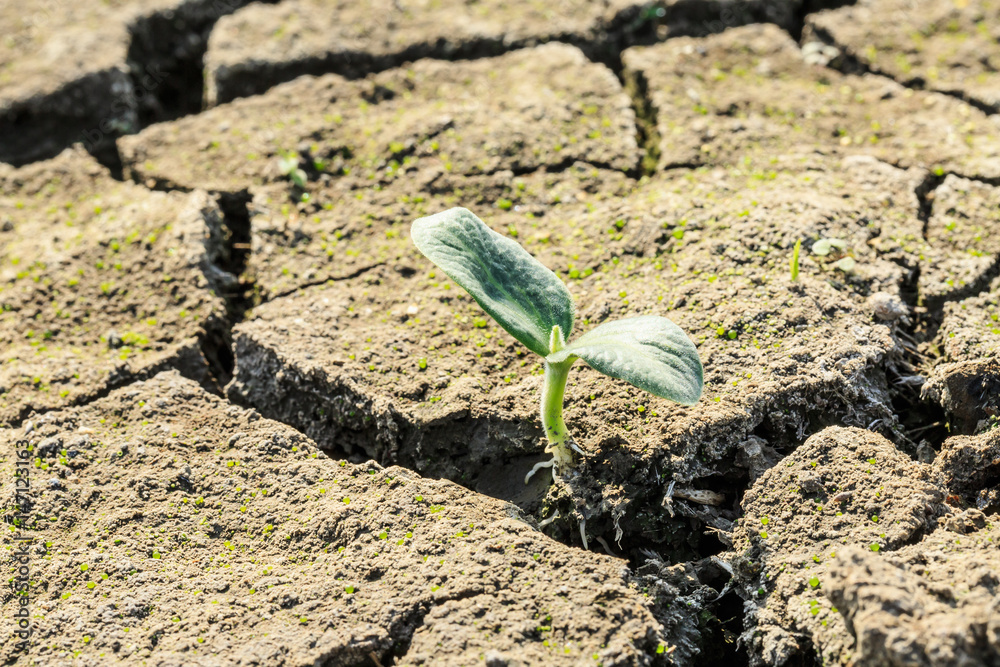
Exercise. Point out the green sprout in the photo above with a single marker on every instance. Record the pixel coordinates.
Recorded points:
(824, 247)
(795, 260)
(288, 165)
(534, 306)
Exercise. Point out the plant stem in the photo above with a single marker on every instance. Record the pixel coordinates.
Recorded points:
(552, 407)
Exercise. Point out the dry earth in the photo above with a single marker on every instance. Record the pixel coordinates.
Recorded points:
(261, 429)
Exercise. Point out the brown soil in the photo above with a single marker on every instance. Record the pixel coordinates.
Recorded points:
(209, 353)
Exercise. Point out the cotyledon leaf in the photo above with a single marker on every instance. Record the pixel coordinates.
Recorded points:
(650, 352)
(517, 291)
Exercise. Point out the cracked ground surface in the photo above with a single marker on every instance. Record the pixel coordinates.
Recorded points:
(262, 429)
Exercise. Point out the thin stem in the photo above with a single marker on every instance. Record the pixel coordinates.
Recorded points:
(552, 407)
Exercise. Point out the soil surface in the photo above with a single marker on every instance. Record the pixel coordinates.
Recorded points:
(175, 528)
(260, 428)
(945, 46)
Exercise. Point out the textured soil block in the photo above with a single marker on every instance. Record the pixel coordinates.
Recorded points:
(61, 71)
(929, 604)
(971, 467)
(966, 378)
(848, 553)
(91, 71)
(348, 227)
(102, 282)
(261, 46)
(964, 253)
(748, 96)
(397, 364)
(533, 108)
(952, 47)
(173, 528)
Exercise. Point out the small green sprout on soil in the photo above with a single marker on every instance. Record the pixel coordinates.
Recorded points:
(837, 248)
(795, 260)
(534, 306)
(288, 165)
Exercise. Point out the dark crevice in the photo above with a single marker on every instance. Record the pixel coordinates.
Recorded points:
(811, 7)
(108, 156)
(157, 184)
(227, 271)
(925, 196)
(941, 174)
(230, 257)
(215, 349)
(329, 279)
(166, 58)
(848, 63)
(680, 166)
(655, 21)
(974, 288)
(40, 127)
(189, 361)
(561, 166)
(646, 115)
(248, 79)
(723, 625)
(923, 422)
(238, 246)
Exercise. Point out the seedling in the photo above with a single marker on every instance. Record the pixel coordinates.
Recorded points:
(534, 306)
(288, 165)
(795, 260)
(824, 247)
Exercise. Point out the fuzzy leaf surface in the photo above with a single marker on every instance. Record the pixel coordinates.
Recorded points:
(650, 352)
(518, 291)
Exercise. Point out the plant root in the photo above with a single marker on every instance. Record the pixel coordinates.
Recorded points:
(604, 544)
(538, 466)
(545, 522)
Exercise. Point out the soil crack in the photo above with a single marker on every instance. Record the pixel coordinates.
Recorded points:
(646, 114)
(329, 279)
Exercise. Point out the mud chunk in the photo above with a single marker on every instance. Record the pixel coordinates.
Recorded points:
(966, 381)
(964, 253)
(101, 282)
(246, 55)
(522, 111)
(971, 467)
(91, 72)
(843, 487)
(748, 97)
(65, 67)
(933, 603)
(360, 231)
(275, 549)
(949, 47)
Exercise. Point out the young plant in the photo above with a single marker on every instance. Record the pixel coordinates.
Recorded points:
(795, 260)
(288, 165)
(534, 306)
(825, 247)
